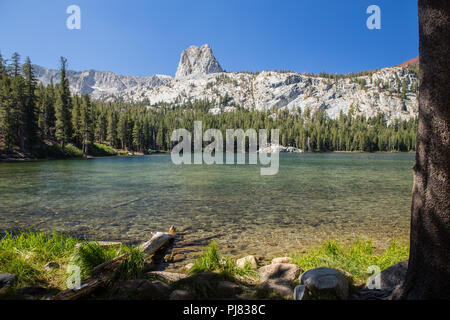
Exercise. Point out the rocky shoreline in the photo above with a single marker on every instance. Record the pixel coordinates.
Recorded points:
(281, 279)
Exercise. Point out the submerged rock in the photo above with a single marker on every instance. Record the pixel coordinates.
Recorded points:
(325, 283)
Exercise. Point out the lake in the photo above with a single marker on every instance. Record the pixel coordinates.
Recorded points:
(314, 197)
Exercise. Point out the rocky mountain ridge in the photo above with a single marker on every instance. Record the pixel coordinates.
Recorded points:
(391, 90)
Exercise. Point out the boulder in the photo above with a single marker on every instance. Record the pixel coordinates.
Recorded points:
(180, 295)
(248, 260)
(140, 289)
(167, 277)
(7, 280)
(281, 271)
(393, 276)
(325, 283)
(279, 278)
(226, 289)
(201, 285)
(281, 260)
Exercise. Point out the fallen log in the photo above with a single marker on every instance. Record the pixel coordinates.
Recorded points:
(102, 274)
(159, 240)
(102, 243)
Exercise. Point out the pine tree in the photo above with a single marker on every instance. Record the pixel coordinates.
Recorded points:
(30, 104)
(6, 110)
(112, 128)
(76, 121)
(86, 124)
(63, 108)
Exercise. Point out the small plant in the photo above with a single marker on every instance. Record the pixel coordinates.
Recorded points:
(211, 261)
(132, 266)
(91, 254)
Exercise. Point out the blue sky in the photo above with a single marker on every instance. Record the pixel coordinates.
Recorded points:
(144, 37)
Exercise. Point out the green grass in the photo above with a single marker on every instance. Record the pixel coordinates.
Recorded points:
(90, 255)
(26, 254)
(211, 261)
(133, 265)
(353, 259)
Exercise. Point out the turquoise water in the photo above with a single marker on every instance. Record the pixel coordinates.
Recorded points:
(314, 197)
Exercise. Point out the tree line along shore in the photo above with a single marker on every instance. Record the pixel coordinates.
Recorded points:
(50, 122)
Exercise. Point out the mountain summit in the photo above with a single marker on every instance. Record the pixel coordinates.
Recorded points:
(392, 90)
(197, 61)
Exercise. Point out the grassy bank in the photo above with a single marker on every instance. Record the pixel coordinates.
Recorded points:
(42, 259)
(353, 259)
(27, 255)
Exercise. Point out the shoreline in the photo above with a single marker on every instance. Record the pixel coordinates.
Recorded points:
(247, 272)
(29, 159)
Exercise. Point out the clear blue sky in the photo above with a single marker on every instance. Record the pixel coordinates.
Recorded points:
(144, 37)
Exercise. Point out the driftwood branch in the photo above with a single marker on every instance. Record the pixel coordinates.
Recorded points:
(102, 274)
(159, 240)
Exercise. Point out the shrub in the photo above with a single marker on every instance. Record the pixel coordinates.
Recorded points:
(101, 150)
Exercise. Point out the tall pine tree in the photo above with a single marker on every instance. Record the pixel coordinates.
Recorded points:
(63, 108)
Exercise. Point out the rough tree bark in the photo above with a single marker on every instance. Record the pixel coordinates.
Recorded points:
(428, 275)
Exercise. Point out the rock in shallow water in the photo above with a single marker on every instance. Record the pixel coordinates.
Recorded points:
(325, 283)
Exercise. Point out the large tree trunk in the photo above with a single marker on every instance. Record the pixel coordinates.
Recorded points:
(428, 275)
